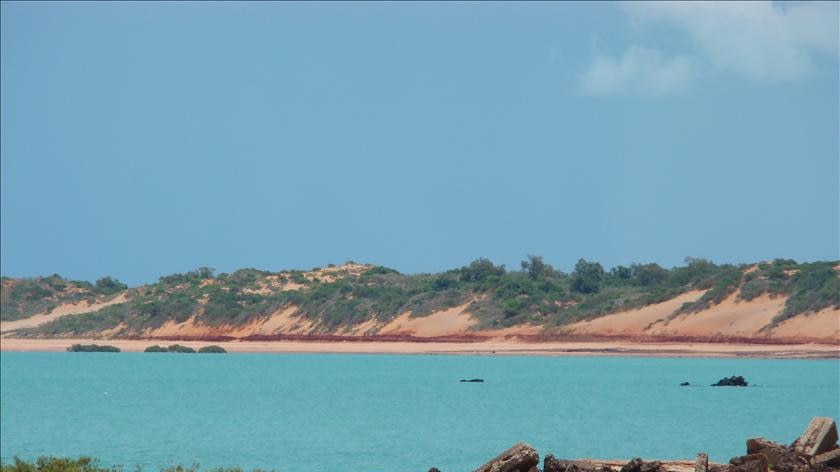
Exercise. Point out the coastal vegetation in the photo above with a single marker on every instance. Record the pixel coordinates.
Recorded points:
(341, 296)
(21, 298)
(92, 348)
(212, 350)
(176, 348)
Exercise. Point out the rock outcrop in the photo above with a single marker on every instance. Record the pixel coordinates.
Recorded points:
(734, 381)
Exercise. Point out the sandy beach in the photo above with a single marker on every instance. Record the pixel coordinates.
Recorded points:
(501, 347)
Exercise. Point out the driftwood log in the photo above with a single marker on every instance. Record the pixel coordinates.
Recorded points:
(701, 464)
(519, 458)
(552, 464)
(830, 458)
(749, 463)
(818, 438)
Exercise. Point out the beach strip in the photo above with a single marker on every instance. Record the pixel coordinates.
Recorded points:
(492, 347)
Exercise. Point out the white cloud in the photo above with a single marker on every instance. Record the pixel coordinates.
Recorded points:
(757, 40)
(761, 41)
(639, 70)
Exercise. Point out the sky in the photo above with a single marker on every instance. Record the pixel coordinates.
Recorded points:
(143, 139)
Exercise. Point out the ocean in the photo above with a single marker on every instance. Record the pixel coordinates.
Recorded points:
(339, 412)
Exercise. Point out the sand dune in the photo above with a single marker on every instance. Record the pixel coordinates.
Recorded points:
(61, 310)
(728, 318)
(441, 323)
(282, 322)
(634, 321)
(731, 318)
(823, 324)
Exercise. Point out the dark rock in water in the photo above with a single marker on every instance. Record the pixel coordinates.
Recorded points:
(734, 381)
(520, 457)
(638, 465)
(552, 464)
(472, 380)
(819, 437)
(684, 384)
(434, 469)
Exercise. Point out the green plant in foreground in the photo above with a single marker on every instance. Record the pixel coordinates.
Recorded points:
(87, 464)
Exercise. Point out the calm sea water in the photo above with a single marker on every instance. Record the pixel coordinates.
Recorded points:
(394, 413)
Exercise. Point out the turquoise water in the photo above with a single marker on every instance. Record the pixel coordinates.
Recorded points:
(394, 413)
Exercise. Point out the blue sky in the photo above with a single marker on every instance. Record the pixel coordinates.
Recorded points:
(141, 139)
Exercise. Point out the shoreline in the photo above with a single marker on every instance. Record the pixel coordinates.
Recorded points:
(490, 347)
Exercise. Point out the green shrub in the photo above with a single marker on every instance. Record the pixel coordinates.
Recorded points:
(109, 285)
(92, 348)
(212, 350)
(155, 348)
(587, 277)
(180, 349)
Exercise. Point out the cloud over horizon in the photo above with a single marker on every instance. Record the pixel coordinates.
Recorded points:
(758, 41)
(639, 70)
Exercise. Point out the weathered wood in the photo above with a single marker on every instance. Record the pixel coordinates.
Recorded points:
(819, 437)
(520, 458)
(749, 463)
(701, 464)
(771, 450)
(756, 445)
(830, 458)
(552, 464)
(638, 465)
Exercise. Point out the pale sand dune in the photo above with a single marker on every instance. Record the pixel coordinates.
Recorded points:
(728, 318)
(633, 321)
(61, 310)
(187, 328)
(369, 327)
(822, 324)
(518, 330)
(441, 323)
(607, 348)
(283, 321)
